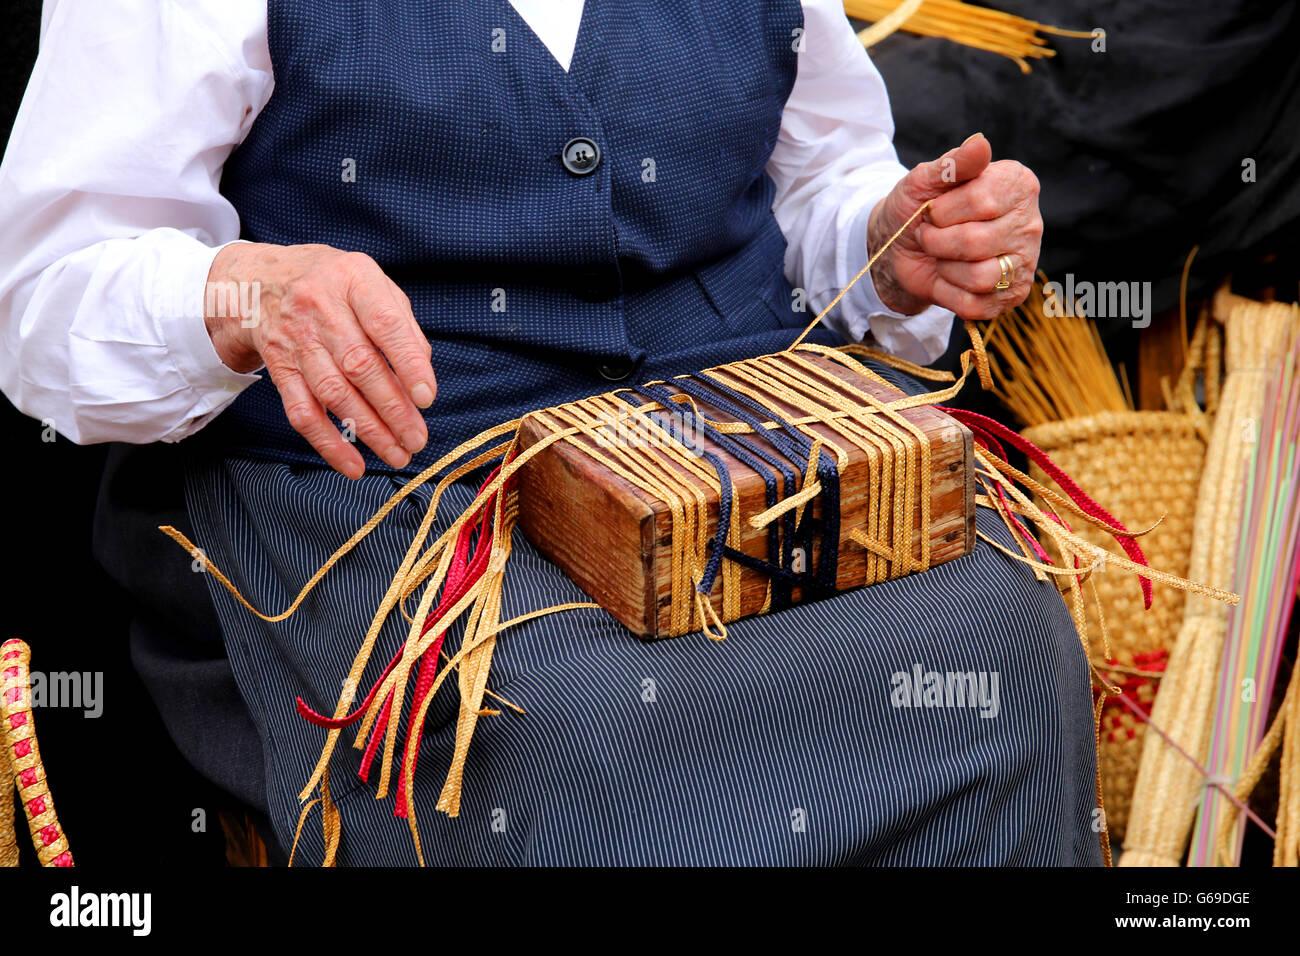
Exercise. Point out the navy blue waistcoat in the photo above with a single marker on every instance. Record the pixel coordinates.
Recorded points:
(430, 135)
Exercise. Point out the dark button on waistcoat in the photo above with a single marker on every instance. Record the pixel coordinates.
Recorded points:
(616, 370)
(581, 156)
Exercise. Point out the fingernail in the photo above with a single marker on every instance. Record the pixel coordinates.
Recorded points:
(354, 470)
(969, 138)
(423, 395)
(413, 441)
(397, 457)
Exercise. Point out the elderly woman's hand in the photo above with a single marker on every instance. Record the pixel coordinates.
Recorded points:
(979, 212)
(335, 334)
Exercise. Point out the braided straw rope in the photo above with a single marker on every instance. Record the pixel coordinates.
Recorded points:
(1168, 785)
(8, 837)
(24, 760)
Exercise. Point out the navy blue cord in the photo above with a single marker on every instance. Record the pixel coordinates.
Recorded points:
(797, 446)
(782, 574)
(780, 545)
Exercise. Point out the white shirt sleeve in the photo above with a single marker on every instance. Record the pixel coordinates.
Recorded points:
(110, 213)
(833, 161)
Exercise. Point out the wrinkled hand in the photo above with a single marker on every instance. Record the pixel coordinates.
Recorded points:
(335, 334)
(949, 257)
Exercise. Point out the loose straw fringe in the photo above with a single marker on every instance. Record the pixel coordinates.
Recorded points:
(25, 771)
(480, 603)
(1165, 797)
(965, 23)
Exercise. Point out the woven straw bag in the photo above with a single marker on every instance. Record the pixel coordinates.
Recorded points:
(1141, 465)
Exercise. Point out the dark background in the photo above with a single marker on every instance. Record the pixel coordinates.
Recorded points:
(1139, 151)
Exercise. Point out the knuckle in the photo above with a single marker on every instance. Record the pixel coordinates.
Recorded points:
(359, 361)
(332, 390)
(302, 416)
(385, 321)
(303, 300)
(358, 269)
(395, 410)
(986, 205)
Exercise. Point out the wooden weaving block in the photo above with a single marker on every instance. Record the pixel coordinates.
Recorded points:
(614, 539)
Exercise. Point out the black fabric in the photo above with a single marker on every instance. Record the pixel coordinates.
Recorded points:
(176, 643)
(1139, 149)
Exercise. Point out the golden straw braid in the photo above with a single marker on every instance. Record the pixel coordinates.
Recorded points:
(24, 760)
(8, 836)
(1286, 848)
(965, 23)
(1165, 797)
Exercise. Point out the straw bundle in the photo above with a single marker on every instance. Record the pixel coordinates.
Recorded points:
(1286, 847)
(1168, 785)
(1049, 364)
(965, 23)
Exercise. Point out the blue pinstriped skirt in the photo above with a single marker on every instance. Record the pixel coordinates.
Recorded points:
(795, 741)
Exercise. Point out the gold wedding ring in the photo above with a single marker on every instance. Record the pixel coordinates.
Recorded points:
(1008, 273)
